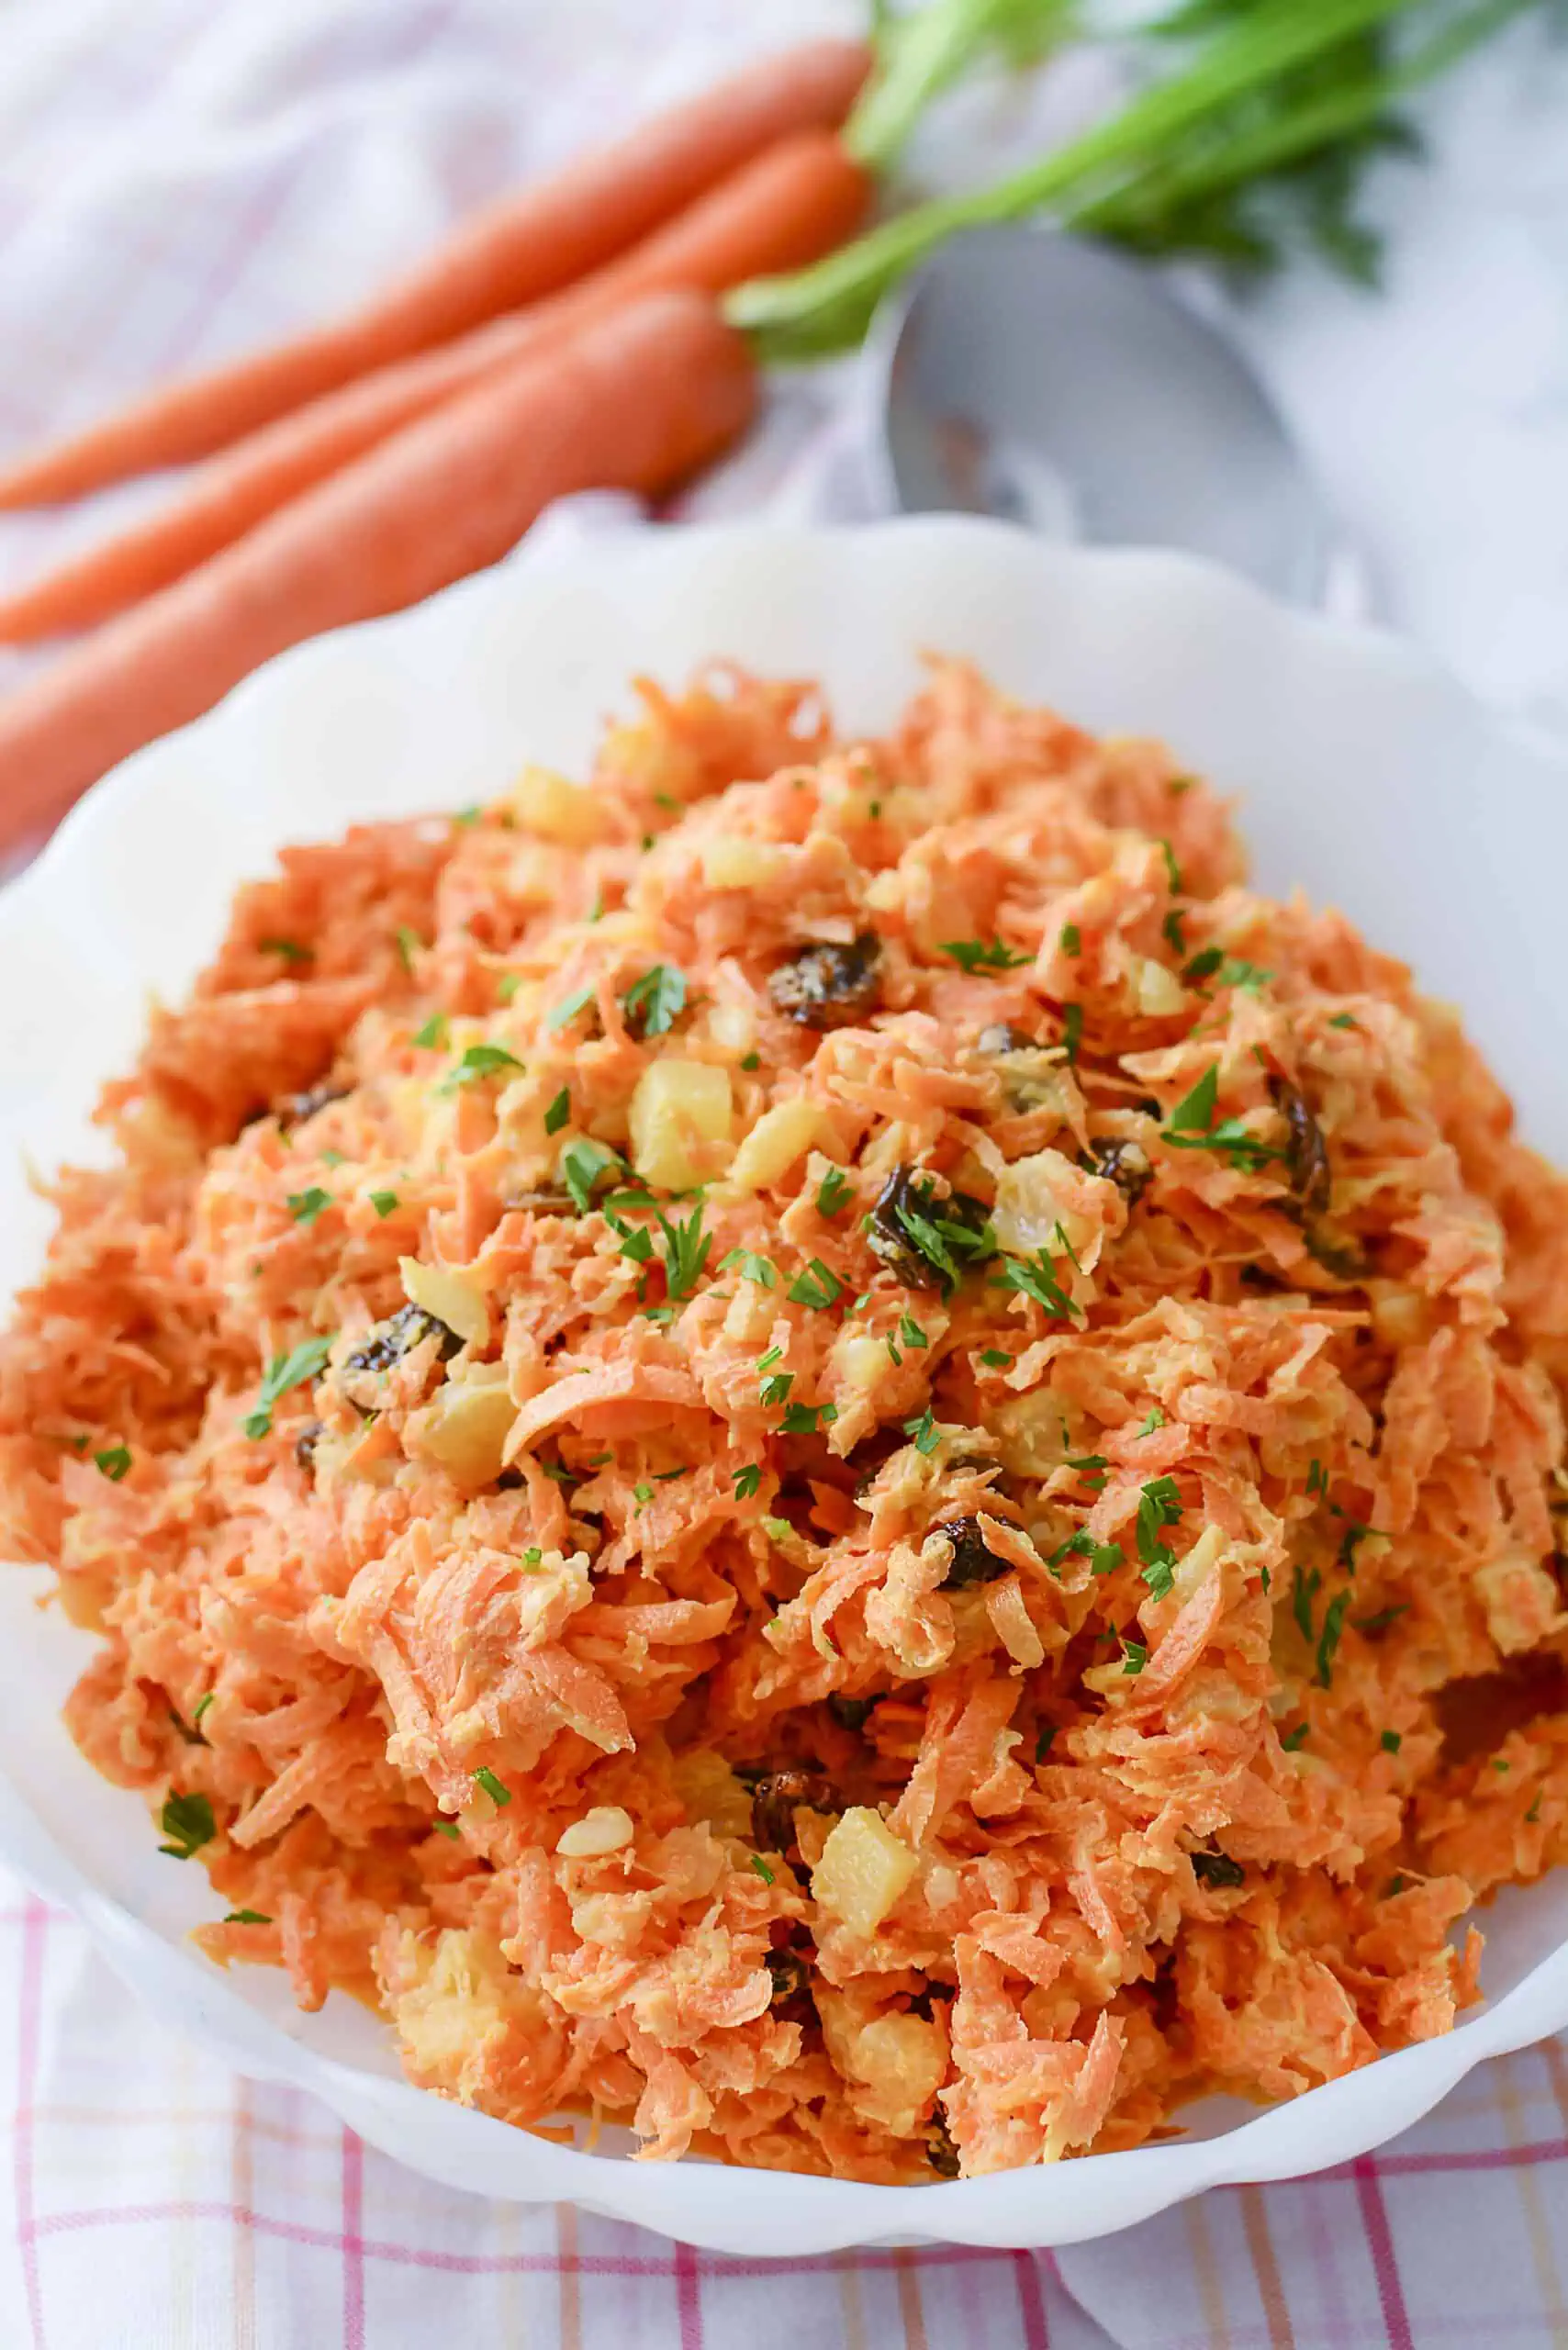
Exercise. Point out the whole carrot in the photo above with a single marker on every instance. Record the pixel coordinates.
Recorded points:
(527, 246)
(640, 399)
(790, 205)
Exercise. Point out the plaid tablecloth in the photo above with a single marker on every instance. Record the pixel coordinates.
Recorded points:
(180, 177)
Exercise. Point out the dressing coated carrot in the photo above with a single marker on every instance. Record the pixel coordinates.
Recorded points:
(785, 208)
(641, 398)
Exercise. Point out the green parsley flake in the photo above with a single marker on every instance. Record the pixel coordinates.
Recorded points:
(686, 1250)
(994, 1360)
(496, 1789)
(306, 1206)
(533, 1556)
(1135, 1656)
(761, 1868)
(566, 1011)
(1071, 939)
(1155, 1420)
(800, 1419)
(767, 1361)
(747, 1482)
(1190, 1127)
(506, 986)
(925, 1431)
(583, 1164)
(1036, 1278)
(409, 944)
(559, 1112)
(247, 1918)
(833, 1192)
(1073, 1030)
(333, 1158)
(114, 1462)
(1391, 1742)
(289, 950)
(1243, 975)
(1170, 930)
(1044, 1742)
(973, 955)
(447, 1828)
(1173, 870)
(657, 1000)
(201, 1705)
(479, 1061)
(816, 1287)
(1344, 1020)
(1294, 1738)
(751, 1062)
(1203, 965)
(432, 1037)
(775, 1389)
(644, 1493)
(304, 1361)
(750, 1267)
(188, 1823)
(778, 1530)
(383, 1201)
(911, 1332)
(1328, 1638)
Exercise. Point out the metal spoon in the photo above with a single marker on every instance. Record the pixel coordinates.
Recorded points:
(1025, 374)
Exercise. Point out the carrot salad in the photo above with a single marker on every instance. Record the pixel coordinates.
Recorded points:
(817, 1447)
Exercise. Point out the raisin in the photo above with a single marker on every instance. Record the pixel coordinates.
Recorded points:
(773, 1802)
(792, 1982)
(1001, 1038)
(305, 1443)
(391, 1340)
(940, 2151)
(973, 1562)
(1217, 1869)
(851, 1713)
(295, 1108)
(1125, 1164)
(827, 985)
(1306, 1156)
(924, 1240)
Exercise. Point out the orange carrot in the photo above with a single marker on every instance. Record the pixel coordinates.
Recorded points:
(639, 401)
(787, 208)
(527, 246)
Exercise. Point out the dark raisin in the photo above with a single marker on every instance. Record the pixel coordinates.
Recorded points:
(1217, 1869)
(510, 1480)
(305, 1443)
(925, 1240)
(1257, 1277)
(1001, 1038)
(392, 1339)
(1306, 1154)
(828, 986)
(1347, 1264)
(851, 1713)
(1125, 1164)
(295, 1108)
(973, 1562)
(940, 2151)
(791, 1980)
(773, 1802)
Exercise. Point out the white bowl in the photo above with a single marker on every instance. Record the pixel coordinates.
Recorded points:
(1365, 777)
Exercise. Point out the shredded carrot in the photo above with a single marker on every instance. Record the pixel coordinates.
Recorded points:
(820, 1446)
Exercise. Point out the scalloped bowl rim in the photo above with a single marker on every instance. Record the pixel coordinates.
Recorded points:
(929, 578)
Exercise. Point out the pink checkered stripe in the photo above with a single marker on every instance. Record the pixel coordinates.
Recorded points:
(154, 2194)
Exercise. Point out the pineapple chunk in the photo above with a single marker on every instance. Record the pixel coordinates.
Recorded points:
(465, 1425)
(606, 1829)
(863, 1869)
(557, 810)
(453, 1298)
(679, 1122)
(1158, 991)
(730, 862)
(780, 1136)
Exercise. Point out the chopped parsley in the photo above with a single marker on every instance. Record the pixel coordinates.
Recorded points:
(761, 1868)
(304, 1361)
(750, 1267)
(559, 1112)
(506, 986)
(1391, 1742)
(445, 1828)
(563, 1014)
(1381, 1618)
(114, 1462)
(1344, 1020)
(1135, 1656)
(778, 1530)
(943, 1240)
(657, 1000)
(637, 1245)
(1044, 1741)
(200, 1707)
(1158, 1505)
(1203, 966)
(1316, 1478)
(583, 1164)
(924, 1432)
(747, 1482)
(1155, 1420)
(383, 1201)
(1295, 1738)
(775, 1389)
(1243, 975)
(479, 1061)
(247, 1918)
(1103, 1557)
(767, 1361)
(1035, 1277)
(911, 1332)
(1173, 870)
(1190, 1127)
(288, 950)
(816, 1287)
(994, 1360)
(1170, 930)
(1328, 1638)
(496, 1789)
(1303, 1591)
(409, 944)
(306, 1206)
(1071, 939)
(973, 955)
(751, 1062)
(801, 1419)
(686, 1251)
(1072, 1030)
(532, 1556)
(188, 1823)
(432, 1037)
(833, 1192)
(643, 1492)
